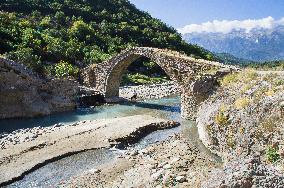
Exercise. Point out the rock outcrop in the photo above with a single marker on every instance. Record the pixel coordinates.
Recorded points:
(24, 94)
(244, 116)
(243, 123)
(245, 173)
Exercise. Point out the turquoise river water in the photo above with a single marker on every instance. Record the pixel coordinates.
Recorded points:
(54, 173)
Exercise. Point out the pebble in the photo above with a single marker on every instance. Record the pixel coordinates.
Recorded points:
(163, 164)
(151, 91)
(134, 153)
(180, 179)
(156, 175)
(144, 151)
(174, 160)
(167, 166)
(93, 171)
(74, 124)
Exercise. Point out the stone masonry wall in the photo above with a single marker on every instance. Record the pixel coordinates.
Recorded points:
(184, 70)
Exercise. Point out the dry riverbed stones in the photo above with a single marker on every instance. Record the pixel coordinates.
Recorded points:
(171, 163)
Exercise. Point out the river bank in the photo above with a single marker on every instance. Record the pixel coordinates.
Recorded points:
(25, 150)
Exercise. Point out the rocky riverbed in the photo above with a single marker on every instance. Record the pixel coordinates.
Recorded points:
(242, 122)
(25, 150)
(155, 91)
(175, 162)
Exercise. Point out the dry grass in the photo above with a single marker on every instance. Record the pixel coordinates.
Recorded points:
(242, 103)
(222, 119)
(230, 79)
(245, 76)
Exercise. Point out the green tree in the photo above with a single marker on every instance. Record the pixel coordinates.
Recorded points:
(64, 69)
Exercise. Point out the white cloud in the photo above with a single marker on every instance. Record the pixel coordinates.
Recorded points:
(226, 26)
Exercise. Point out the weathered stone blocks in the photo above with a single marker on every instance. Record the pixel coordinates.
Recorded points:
(188, 72)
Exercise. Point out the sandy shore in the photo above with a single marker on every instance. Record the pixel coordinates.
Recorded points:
(27, 150)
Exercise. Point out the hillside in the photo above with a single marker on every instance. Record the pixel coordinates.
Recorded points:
(230, 59)
(277, 65)
(59, 37)
(257, 45)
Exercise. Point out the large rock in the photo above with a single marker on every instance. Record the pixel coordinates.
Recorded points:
(23, 94)
(244, 173)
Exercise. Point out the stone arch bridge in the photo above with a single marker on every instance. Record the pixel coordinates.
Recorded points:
(196, 77)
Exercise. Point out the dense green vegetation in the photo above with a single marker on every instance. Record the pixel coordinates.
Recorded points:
(265, 65)
(268, 65)
(137, 79)
(42, 34)
(144, 71)
(232, 60)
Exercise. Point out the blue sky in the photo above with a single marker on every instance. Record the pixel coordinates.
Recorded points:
(179, 13)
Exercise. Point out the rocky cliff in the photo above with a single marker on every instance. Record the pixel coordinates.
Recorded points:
(24, 94)
(243, 122)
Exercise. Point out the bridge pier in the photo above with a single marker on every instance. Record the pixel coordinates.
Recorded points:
(188, 106)
(194, 93)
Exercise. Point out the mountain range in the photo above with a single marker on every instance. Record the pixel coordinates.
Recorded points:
(256, 45)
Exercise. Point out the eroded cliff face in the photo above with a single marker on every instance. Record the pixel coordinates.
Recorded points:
(245, 115)
(243, 123)
(23, 94)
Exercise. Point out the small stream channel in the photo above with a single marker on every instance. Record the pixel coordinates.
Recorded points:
(55, 173)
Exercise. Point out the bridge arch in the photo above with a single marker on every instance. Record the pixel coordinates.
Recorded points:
(191, 74)
(114, 78)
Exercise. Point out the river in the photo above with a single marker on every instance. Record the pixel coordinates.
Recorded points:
(55, 173)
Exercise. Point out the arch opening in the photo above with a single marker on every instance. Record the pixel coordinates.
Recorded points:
(141, 70)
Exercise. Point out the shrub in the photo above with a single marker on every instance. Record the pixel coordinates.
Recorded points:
(242, 103)
(64, 69)
(26, 57)
(279, 82)
(222, 119)
(242, 130)
(248, 75)
(231, 142)
(230, 79)
(138, 79)
(270, 92)
(272, 154)
(246, 87)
